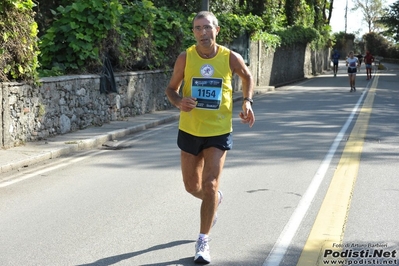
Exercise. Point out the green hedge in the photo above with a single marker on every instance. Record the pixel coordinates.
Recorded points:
(134, 36)
(18, 41)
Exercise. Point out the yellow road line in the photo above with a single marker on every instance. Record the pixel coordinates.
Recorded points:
(329, 227)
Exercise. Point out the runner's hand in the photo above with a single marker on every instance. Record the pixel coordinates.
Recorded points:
(187, 104)
(247, 115)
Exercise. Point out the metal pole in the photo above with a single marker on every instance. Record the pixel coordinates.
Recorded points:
(205, 5)
(346, 15)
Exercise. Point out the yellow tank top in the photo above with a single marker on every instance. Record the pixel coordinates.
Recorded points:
(208, 80)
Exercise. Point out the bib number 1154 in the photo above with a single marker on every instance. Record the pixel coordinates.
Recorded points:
(208, 92)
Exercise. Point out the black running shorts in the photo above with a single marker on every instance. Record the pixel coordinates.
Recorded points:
(352, 70)
(194, 145)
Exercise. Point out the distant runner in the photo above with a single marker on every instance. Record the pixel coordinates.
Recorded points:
(352, 63)
(335, 59)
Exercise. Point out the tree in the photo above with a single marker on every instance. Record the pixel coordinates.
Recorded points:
(328, 9)
(376, 44)
(372, 11)
(391, 21)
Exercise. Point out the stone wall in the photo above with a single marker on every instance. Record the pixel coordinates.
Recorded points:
(69, 103)
(286, 64)
(65, 104)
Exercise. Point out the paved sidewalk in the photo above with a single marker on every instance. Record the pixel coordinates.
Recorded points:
(92, 137)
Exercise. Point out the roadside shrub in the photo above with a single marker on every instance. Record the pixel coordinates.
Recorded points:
(234, 26)
(256, 28)
(297, 34)
(149, 37)
(168, 36)
(75, 39)
(134, 32)
(134, 36)
(18, 41)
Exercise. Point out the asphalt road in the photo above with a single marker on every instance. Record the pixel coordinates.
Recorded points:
(126, 204)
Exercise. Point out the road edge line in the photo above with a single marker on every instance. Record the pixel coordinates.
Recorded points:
(329, 226)
(281, 246)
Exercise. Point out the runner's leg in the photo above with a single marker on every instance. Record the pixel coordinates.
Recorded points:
(201, 175)
(214, 161)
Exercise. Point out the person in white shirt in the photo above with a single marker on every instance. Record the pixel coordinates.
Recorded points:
(352, 63)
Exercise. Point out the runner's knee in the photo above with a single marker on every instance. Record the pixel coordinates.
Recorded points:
(192, 186)
(209, 186)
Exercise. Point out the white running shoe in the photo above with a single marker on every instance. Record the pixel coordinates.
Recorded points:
(215, 219)
(202, 254)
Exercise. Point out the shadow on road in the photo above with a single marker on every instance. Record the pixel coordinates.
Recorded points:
(118, 258)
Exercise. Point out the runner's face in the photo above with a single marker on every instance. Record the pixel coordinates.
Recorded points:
(205, 32)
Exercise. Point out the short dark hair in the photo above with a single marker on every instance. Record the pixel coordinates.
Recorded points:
(205, 14)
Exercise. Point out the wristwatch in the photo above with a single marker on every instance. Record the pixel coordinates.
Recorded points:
(249, 100)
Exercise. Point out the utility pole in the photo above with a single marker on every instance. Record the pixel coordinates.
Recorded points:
(205, 5)
(346, 16)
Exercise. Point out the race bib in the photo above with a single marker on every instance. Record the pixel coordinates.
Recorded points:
(208, 92)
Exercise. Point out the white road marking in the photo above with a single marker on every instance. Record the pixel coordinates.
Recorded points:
(26, 174)
(283, 242)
